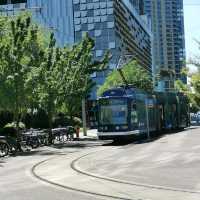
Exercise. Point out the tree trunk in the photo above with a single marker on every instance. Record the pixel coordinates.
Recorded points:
(18, 138)
(50, 118)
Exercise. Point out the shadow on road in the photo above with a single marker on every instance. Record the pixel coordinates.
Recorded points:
(94, 142)
(2, 162)
(54, 149)
(78, 144)
(118, 143)
(143, 139)
(37, 152)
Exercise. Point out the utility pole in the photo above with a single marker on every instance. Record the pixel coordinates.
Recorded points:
(147, 118)
(84, 117)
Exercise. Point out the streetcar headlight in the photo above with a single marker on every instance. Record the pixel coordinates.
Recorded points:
(117, 128)
(105, 128)
(124, 127)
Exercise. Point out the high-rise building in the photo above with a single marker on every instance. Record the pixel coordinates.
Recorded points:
(6, 2)
(55, 15)
(10, 7)
(117, 25)
(168, 35)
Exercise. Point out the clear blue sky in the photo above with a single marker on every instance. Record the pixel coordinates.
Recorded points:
(192, 26)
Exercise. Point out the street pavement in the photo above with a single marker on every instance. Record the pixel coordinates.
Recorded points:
(18, 183)
(166, 168)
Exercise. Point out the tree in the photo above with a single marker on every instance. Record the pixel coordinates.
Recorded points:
(19, 53)
(192, 90)
(36, 75)
(134, 74)
(64, 76)
(77, 83)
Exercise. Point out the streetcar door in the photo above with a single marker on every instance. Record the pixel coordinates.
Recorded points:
(161, 117)
(134, 116)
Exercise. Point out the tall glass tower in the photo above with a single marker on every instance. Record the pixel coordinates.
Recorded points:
(169, 42)
(54, 15)
(57, 16)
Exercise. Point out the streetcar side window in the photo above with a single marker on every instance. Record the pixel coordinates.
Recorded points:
(134, 116)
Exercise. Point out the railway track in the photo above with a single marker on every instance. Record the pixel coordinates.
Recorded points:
(74, 167)
(33, 171)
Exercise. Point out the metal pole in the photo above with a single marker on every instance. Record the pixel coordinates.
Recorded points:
(84, 117)
(147, 118)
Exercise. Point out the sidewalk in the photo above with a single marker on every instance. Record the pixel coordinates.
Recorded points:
(91, 134)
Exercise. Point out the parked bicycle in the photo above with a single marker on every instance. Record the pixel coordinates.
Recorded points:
(9, 145)
(4, 147)
(35, 137)
(63, 134)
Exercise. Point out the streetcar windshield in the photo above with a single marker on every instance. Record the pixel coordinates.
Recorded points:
(113, 111)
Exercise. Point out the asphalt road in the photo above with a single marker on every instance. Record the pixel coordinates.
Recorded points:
(172, 160)
(17, 182)
(166, 168)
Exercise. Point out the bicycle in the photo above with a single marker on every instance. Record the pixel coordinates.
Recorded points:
(4, 147)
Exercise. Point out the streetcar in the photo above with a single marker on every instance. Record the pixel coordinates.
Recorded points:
(125, 112)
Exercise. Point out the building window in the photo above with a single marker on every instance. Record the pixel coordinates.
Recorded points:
(76, 1)
(77, 14)
(111, 45)
(110, 11)
(110, 24)
(90, 27)
(112, 66)
(77, 27)
(97, 33)
(99, 53)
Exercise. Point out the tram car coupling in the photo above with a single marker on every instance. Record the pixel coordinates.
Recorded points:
(125, 112)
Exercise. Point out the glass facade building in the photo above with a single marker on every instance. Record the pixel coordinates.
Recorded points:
(57, 16)
(116, 25)
(169, 41)
(54, 15)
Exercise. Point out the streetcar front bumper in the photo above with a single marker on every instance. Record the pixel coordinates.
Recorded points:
(119, 134)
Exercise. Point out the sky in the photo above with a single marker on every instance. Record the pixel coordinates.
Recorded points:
(192, 26)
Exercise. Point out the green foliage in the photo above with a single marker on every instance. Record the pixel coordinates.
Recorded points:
(192, 91)
(134, 74)
(36, 74)
(63, 120)
(40, 119)
(20, 51)
(76, 66)
(14, 125)
(5, 118)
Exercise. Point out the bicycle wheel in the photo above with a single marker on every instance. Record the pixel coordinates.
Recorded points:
(4, 149)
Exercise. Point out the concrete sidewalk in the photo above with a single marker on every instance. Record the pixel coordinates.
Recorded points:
(91, 134)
